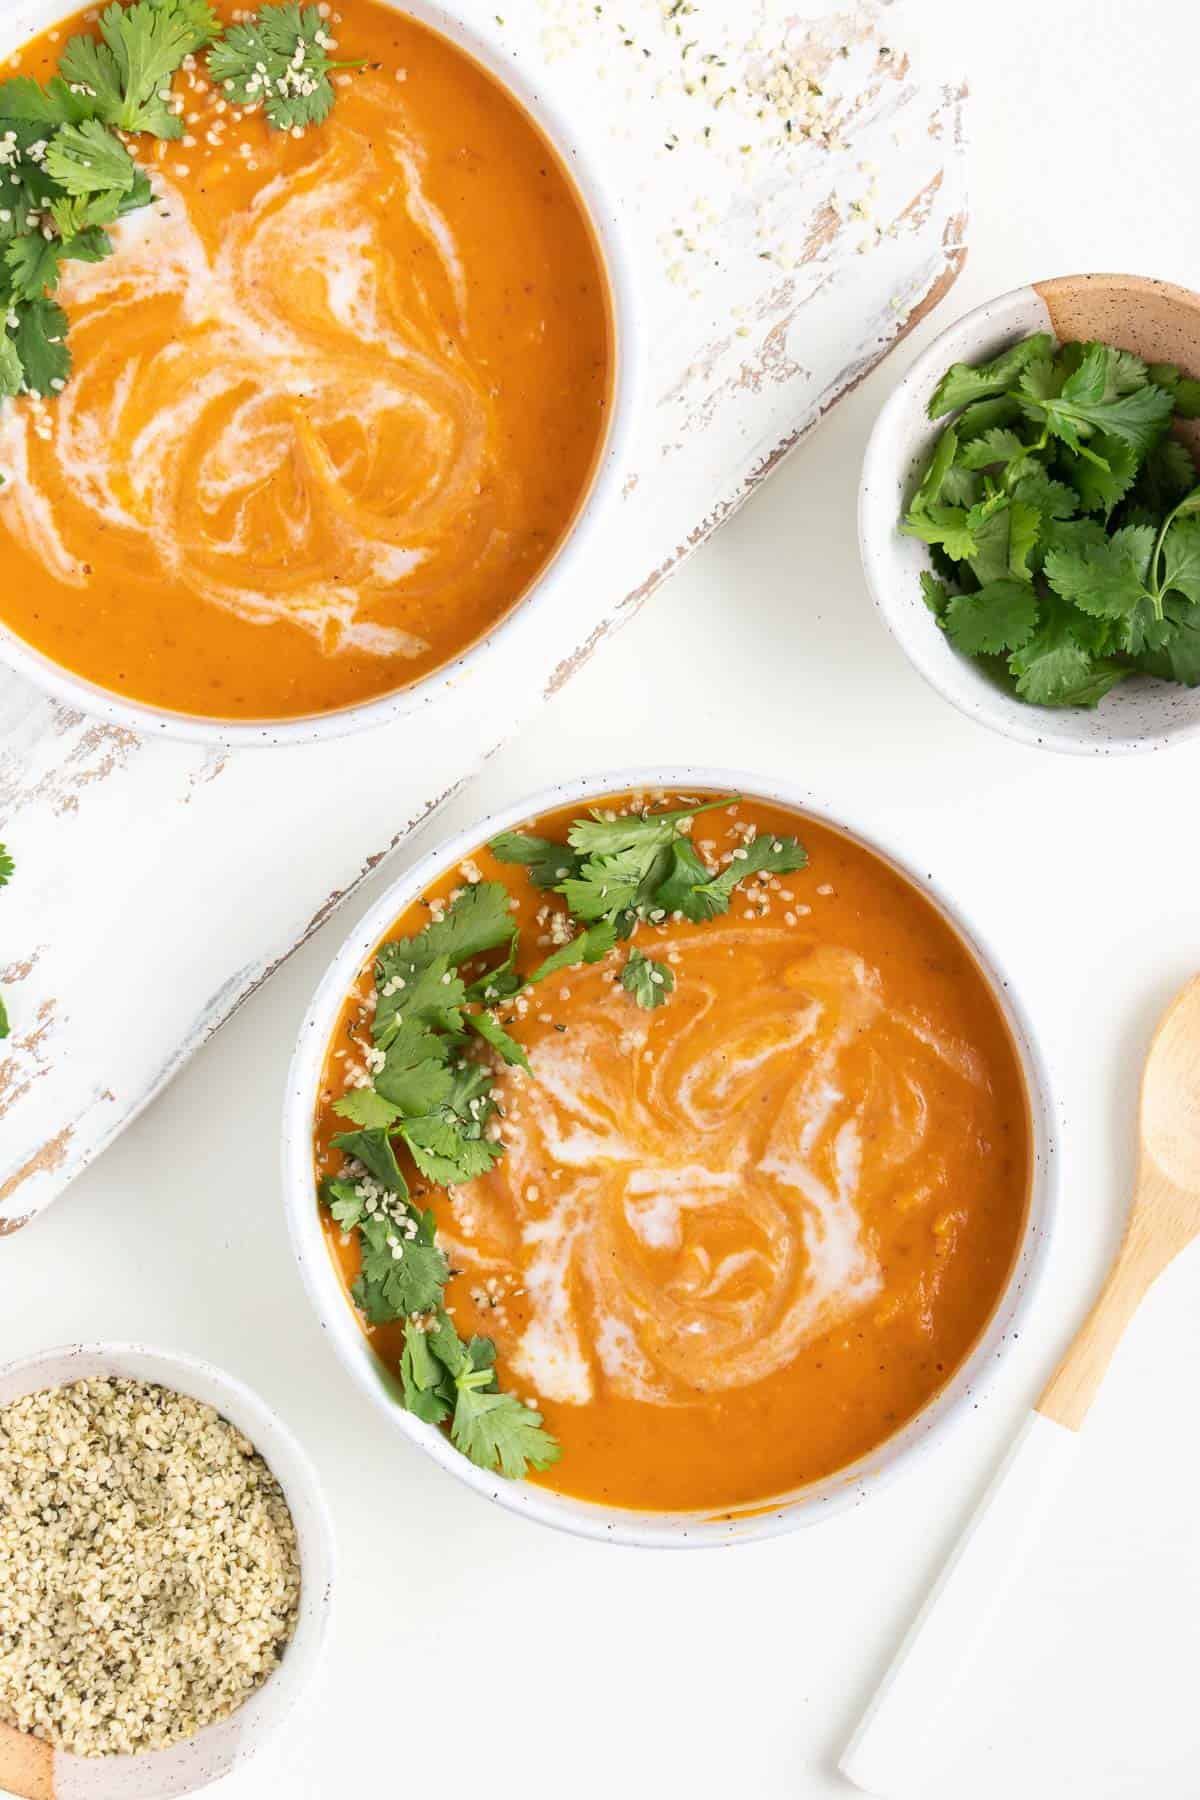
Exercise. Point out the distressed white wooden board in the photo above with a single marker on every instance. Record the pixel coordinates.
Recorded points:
(159, 883)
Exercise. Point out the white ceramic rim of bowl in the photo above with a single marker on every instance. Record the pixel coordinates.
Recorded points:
(899, 443)
(682, 1530)
(551, 586)
(194, 1762)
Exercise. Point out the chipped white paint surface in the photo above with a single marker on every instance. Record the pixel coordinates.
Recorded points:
(159, 882)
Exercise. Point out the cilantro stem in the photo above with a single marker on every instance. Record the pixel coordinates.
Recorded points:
(1187, 504)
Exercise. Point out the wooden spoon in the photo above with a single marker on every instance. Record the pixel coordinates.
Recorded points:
(886, 1755)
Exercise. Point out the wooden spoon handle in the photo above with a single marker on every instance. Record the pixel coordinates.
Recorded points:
(1076, 1381)
(888, 1754)
(1152, 1240)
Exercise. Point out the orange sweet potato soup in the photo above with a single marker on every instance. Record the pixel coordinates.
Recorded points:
(734, 1240)
(335, 399)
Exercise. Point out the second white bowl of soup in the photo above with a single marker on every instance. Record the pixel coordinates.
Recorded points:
(667, 1143)
(345, 404)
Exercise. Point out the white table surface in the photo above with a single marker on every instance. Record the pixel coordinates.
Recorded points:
(474, 1651)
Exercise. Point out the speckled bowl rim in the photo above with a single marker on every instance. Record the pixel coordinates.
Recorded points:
(583, 537)
(193, 1763)
(848, 1487)
(1006, 316)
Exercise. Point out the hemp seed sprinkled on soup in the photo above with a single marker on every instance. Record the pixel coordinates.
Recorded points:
(335, 397)
(718, 1210)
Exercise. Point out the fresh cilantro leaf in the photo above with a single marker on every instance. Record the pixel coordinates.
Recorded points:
(546, 862)
(1108, 580)
(373, 1149)
(1002, 452)
(944, 525)
(1137, 419)
(1101, 486)
(1001, 616)
(1024, 525)
(764, 854)
(607, 885)
(346, 1203)
(498, 1431)
(502, 981)
(7, 865)
(1110, 372)
(32, 264)
(934, 593)
(987, 415)
(991, 449)
(649, 982)
(442, 1376)
(12, 375)
(960, 487)
(91, 246)
(1054, 669)
(445, 1344)
(1168, 473)
(1184, 392)
(40, 338)
(443, 1154)
(1181, 558)
(964, 382)
(55, 104)
(1069, 534)
(277, 60)
(89, 159)
(688, 871)
(198, 16)
(366, 1108)
(1051, 499)
(589, 946)
(4, 1025)
(428, 1387)
(598, 836)
(127, 72)
(1004, 537)
(414, 1077)
(400, 1274)
(1126, 373)
(91, 69)
(492, 1032)
(76, 214)
(139, 195)
(413, 991)
(944, 451)
(479, 920)
(1176, 657)
(1041, 378)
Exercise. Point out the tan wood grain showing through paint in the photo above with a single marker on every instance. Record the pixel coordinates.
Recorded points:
(1165, 1216)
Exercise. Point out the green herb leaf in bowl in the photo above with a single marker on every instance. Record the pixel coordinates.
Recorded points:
(1063, 519)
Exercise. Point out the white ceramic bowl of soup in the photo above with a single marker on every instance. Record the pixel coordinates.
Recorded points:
(1155, 320)
(217, 1749)
(848, 1486)
(551, 587)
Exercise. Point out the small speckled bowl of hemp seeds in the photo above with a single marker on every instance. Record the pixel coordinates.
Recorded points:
(165, 1569)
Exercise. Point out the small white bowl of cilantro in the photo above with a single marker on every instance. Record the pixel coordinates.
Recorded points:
(1030, 514)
